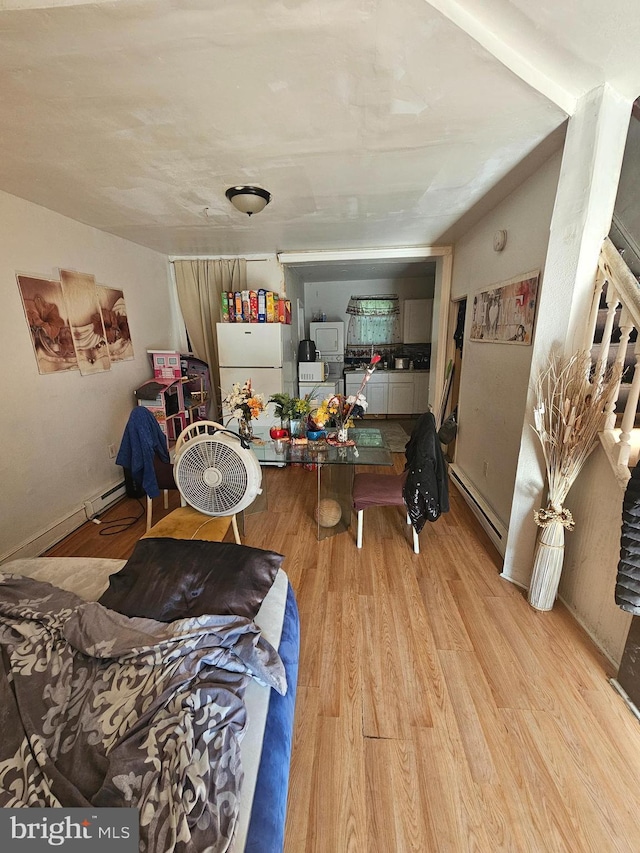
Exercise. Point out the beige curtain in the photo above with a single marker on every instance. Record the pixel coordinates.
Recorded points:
(200, 284)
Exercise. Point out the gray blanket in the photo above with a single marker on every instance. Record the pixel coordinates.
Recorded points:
(98, 708)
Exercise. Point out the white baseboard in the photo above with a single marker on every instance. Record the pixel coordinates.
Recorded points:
(494, 528)
(43, 541)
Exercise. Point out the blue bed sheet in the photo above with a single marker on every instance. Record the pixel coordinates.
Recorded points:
(268, 813)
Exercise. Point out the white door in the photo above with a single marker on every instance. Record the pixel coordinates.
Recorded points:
(417, 319)
(251, 344)
(329, 339)
(400, 400)
(377, 398)
(420, 393)
(264, 380)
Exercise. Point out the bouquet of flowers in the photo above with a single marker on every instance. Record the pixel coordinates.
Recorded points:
(243, 403)
(289, 408)
(340, 410)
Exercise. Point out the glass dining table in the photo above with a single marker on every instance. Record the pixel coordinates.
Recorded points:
(334, 465)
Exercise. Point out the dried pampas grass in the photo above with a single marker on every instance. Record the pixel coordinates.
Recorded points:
(568, 415)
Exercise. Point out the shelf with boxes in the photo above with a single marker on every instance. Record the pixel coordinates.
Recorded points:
(179, 392)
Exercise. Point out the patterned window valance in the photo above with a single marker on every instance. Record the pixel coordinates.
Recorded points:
(374, 320)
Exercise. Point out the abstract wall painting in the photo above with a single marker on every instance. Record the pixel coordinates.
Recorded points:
(85, 318)
(115, 322)
(51, 334)
(505, 313)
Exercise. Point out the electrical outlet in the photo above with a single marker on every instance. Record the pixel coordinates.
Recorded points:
(111, 448)
(485, 468)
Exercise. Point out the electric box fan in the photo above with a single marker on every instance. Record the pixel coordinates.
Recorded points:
(215, 471)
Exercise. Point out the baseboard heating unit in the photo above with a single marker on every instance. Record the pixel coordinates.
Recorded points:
(99, 504)
(494, 528)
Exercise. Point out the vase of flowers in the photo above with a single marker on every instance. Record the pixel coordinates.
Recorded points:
(292, 411)
(568, 415)
(244, 405)
(340, 410)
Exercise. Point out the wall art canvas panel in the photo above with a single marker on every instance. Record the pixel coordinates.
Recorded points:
(89, 338)
(505, 313)
(115, 322)
(46, 313)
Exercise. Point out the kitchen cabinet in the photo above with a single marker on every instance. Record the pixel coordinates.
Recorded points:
(375, 391)
(401, 394)
(417, 317)
(376, 395)
(393, 392)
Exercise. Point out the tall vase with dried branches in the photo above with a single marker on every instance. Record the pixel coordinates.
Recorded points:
(568, 415)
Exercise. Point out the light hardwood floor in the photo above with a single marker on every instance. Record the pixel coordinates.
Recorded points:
(436, 710)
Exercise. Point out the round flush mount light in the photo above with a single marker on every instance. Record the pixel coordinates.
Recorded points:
(248, 200)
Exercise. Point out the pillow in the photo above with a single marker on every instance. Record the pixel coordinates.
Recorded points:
(167, 579)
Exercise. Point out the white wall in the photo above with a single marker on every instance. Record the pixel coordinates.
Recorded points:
(592, 552)
(294, 289)
(495, 377)
(591, 164)
(558, 218)
(55, 429)
(265, 272)
(332, 297)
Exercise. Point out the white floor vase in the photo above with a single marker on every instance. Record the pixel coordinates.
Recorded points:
(547, 566)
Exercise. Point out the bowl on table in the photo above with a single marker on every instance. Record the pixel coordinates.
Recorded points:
(278, 433)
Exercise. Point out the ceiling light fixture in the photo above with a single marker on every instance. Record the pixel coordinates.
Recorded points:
(248, 200)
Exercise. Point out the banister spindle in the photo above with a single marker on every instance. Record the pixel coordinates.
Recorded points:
(626, 326)
(612, 304)
(629, 417)
(601, 280)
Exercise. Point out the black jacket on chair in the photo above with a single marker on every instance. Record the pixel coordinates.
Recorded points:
(627, 593)
(426, 489)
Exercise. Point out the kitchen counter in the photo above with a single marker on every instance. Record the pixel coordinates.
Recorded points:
(391, 391)
(386, 370)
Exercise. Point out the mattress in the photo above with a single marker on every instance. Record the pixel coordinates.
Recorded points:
(266, 745)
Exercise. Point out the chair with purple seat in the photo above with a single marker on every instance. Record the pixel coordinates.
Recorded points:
(422, 488)
(379, 490)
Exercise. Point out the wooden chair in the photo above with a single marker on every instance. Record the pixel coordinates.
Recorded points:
(166, 481)
(379, 490)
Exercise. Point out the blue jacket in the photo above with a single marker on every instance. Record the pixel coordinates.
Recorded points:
(141, 440)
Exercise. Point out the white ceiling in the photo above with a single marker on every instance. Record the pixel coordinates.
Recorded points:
(371, 122)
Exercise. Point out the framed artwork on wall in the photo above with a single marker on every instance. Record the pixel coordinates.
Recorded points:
(505, 313)
(75, 324)
(85, 317)
(115, 322)
(51, 334)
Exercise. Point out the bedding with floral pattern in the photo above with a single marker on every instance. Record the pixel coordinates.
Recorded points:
(104, 709)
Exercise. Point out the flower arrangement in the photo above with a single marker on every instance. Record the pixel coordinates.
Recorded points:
(243, 403)
(340, 410)
(568, 415)
(289, 408)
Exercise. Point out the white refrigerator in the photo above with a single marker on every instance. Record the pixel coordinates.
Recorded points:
(262, 352)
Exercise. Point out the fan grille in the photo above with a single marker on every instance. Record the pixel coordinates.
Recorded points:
(216, 476)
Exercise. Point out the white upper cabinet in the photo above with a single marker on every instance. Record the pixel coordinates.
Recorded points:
(417, 317)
